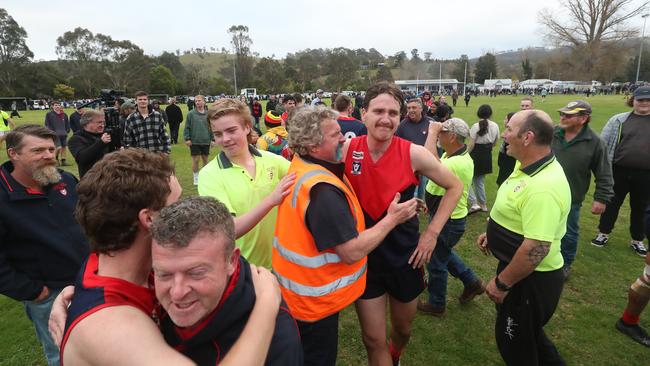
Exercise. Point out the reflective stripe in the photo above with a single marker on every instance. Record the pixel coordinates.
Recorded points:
(316, 291)
(304, 261)
(301, 181)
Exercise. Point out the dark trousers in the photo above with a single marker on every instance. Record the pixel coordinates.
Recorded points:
(14, 113)
(636, 182)
(173, 131)
(320, 340)
(519, 327)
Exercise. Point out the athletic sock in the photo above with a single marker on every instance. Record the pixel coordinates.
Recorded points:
(630, 319)
(395, 354)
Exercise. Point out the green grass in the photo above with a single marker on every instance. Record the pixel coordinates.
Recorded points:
(583, 325)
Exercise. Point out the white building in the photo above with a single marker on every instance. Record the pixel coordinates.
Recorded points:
(497, 84)
(536, 83)
(433, 85)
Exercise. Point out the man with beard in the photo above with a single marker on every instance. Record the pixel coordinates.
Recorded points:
(42, 245)
(91, 143)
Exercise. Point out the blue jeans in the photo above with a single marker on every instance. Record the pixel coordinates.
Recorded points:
(39, 314)
(477, 191)
(444, 260)
(569, 245)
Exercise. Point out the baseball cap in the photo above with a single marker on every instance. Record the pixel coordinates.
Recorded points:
(578, 106)
(457, 126)
(642, 92)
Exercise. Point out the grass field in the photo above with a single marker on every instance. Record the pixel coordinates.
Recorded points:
(583, 325)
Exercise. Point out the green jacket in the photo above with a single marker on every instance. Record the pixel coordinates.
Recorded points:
(197, 128)
(580, 157)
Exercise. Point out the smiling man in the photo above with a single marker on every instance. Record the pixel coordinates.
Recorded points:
(250, 182)
(206, 287)
(320, 247)
(112, 319)
(380, 165)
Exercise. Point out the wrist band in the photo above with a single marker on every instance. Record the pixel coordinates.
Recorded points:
(500, 285)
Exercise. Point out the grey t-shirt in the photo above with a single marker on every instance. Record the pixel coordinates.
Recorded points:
(633, 149)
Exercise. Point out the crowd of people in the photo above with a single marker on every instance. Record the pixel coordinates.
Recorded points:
(293, 225)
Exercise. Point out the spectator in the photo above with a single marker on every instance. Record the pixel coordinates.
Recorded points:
(43, 247)
(57, 121)
(91, 143)
(350, 126)
(626, 136)
(175, 118)
(580, 152)
(145, 128)
(198, 136)
(484, 135)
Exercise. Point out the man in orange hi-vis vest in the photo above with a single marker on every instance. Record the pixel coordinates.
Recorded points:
(320, 245)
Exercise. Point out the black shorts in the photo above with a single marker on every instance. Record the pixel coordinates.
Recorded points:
(403, 284)
(199, 150)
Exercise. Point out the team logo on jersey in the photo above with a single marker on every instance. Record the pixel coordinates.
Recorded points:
(357, 155)
(356, 167)
(61, 188)
(520, 186)
(269, 173)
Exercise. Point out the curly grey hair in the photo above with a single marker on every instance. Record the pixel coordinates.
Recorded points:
(304, 129)
(179, 223)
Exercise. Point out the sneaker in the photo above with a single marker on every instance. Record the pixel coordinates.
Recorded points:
(471, 291)
(429, 309)
(196, 180)
(600, 240)
(635, 332)
(474, 209)
(638, 247)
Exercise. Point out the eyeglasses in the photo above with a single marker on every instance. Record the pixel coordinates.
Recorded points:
(566, 115)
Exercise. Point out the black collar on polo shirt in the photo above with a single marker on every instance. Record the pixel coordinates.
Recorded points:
(225, 163)
(539, 165)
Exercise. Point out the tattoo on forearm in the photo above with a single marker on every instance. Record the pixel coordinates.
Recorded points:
(538, 252)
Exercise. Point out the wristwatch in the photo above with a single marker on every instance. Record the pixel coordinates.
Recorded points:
(500, 285)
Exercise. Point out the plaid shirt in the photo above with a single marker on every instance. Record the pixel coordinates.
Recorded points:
(146, 133)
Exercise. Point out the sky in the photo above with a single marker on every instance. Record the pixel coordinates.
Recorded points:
(447, 29)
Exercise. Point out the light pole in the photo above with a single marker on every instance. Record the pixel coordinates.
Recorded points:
(638, 66)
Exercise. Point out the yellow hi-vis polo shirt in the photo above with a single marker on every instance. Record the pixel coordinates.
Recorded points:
(234, 187)
(532, 203)
(462, 165)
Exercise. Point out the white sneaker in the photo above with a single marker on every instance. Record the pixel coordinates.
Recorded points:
(196, 180)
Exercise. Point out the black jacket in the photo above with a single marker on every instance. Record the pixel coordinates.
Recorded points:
(87, 149)
(174, 114)
(212, 341)
(41, 243)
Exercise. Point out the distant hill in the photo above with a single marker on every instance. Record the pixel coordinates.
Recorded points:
(212, 62)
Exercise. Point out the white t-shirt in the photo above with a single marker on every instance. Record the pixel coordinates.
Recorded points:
(490, 137)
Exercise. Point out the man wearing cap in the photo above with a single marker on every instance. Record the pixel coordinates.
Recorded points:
(581, 152)
(451, 135)
(527, 223)
(626, 138)
(317, 100)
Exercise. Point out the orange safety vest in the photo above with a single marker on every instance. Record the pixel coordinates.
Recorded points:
(314, 284)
